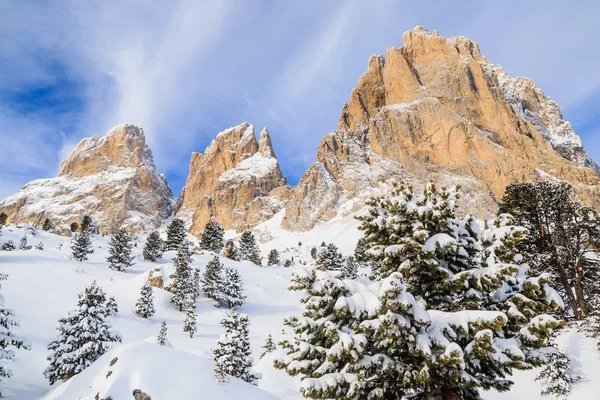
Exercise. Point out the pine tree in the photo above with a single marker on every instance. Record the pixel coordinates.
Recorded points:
(39, 246)
(84, 335)
(212, 237)
(111, 306)
(558, 375)
(86, 225)
(313, 253)
(47, 225)
(182, 282)
(249, 248)
(196, 289)
(82, 246)
(8, 340)
(212, 278)
(23, 243)
(144, 307)
(3, 219)
(119, 248)
(229, 288)
(9, 245)
(74, 227)
(268, 347)
(162, 334)
(350, 268)
(233, 356)
(330, 258)
(189, 324)
(231, 251)
(176, 235)
(360, 252)
(273, 257)
(153, 249)
(288, 263)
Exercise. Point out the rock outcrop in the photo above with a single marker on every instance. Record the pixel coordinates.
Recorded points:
(436, 109)
(231, 182)
(113, 179)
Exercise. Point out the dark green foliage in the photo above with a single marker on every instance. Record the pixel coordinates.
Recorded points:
(268, 347)
(249, 248)
(48, 226)
(153, 249)
(86, 225)
(330, 258)
(231, 251)
(119, 248)
(212, 237)
(144, 307)
(176, 235)
(74, 227)
(273, 258)
(82, 246)
(313, 253)
(182, 287)
(360, 254)
(211, 278)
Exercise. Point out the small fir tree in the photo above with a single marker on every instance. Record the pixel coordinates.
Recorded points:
(330, 258)
(313, 253)
(23, 243)
(288, 263)
(82, 246)
(153, 249)
(189, 324)
(74, 227)
(176, 235)
(360, 251)
(558, 375)
(350, 268)
(273, 257)
(9, 245)
(84, 335)
(212, 278)
(86, 225)
(231, 251)
(268, 347)
(249, 248)
(196, 283)
(3, 219)
(144, 307)
(8, 340)
(111, 306)
(39, 246)
(161, 339)
(48, 226)
(119, 248)
(212, 237)
(232, 355)
(229, 288)
(182, 282)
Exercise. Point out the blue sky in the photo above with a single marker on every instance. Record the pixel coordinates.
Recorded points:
(186, 70)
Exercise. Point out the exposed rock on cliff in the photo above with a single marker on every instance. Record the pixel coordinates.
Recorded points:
(113, 179)
(231, 182)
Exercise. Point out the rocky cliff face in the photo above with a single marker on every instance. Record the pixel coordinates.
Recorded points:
(231, 182)
(113, 179)
(436, 109)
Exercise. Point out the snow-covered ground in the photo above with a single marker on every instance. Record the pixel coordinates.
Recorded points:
(43, 286)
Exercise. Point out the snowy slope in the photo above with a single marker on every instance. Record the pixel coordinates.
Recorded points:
(43, 285)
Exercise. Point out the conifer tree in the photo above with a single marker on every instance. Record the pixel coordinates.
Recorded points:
(39, 246)
(162, 334)
(558, 375)
(23, 243)
(82, 246)
(330, 258)
(74, 227)
(360, 252)
(229, 288)
(212, 237)
(183, 280)
(196, 283)
(176, 235)
(111, 306)
(268, 347)
(144, 307)
(313, 253)
(212, 278)
(249, 248)
(84, 335)
(273, 257)
(8, 340)
(153, 249)
(288, 263)
(47, 225)
(350, 268)
(119, 248)
(189, 324)
(232, 355)
(87, 225)
(9, 245)
(3, 219)
(231, 251)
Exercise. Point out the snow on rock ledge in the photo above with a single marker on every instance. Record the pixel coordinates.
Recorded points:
(141, 366)
(113, 179)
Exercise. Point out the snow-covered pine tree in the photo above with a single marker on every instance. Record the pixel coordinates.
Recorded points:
(232, 355)
(74, 227)
(196, 289)
(557, 374)
(161, 339)
(9, 245)
(212, 237)
(212, 278)
(176, 235)
(84, 335)
(119, 248)
(3, 218)
(313, 253)
(268, 347)
(288, 263)
(23, 243)
(229, 288)
(39, 246)
(112, 307)
(189, 324)
(350, 268)
(360, 251)
(82, 246)
(182, 282)
(8, 340)
(273, 257)
(153, 249)
(330, 258)
(86, 224)
(231, 251)
(249, 248)
(144, 307)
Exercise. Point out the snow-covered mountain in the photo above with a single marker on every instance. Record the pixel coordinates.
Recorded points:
(111, 178)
